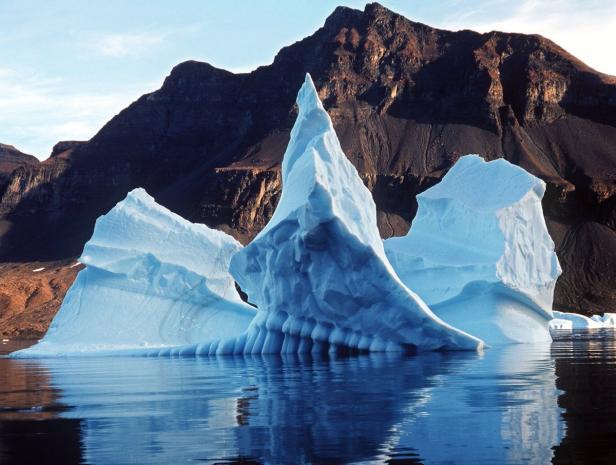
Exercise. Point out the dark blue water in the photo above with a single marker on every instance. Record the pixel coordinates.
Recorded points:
(523, 404)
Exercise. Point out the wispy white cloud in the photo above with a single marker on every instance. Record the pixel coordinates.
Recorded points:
(37, 111)
(121, 45)
(585, 29)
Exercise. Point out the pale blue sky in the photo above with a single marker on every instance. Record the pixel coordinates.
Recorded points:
(68, 66)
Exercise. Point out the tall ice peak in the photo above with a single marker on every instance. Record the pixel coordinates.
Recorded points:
(312, 119)
(318, 271)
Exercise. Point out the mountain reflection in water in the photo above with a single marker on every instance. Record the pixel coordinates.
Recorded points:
(516, 404)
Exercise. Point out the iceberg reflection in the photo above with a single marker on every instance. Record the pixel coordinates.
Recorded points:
(497, 407)
(500, 409)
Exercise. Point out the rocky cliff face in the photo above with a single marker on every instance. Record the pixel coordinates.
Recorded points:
(406, 100)
(10, 160)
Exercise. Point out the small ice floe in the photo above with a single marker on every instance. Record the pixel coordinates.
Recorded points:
(608, 320)
(38, 269)
(577, 321)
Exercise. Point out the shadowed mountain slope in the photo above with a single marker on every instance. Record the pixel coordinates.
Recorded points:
(10, 160)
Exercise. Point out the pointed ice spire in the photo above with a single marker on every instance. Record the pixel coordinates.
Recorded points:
(312, 119)
(315, 168)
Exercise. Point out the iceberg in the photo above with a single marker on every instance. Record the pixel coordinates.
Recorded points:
(479, 253)
(156, 284)
(318, 271)
(153, 281)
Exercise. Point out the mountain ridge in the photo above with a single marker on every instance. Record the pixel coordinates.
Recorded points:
(407, 100)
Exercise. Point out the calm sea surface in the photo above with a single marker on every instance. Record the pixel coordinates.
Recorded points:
(522, 404)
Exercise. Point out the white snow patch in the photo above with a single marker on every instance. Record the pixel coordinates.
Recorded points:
(36, 270)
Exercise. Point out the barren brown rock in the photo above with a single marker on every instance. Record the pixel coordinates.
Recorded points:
(29, 299)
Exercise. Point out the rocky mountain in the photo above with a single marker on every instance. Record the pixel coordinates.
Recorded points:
(10, 160)
(407, 100)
